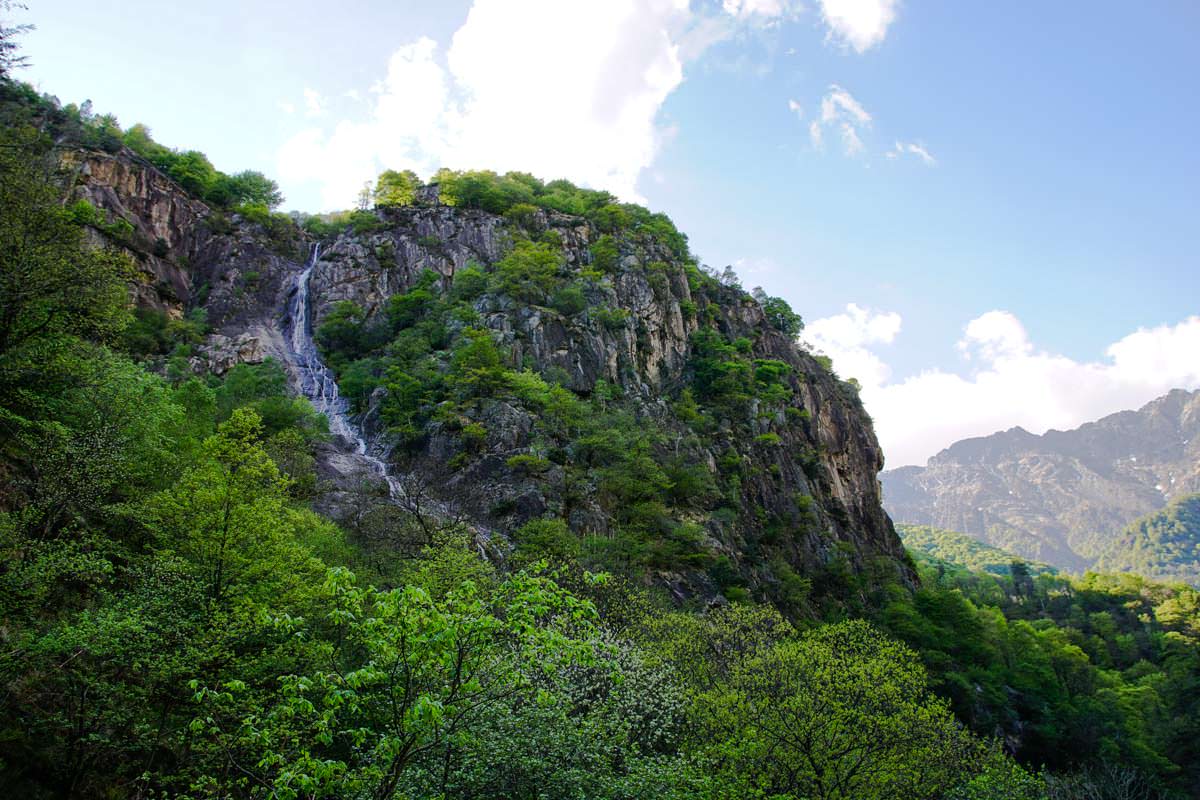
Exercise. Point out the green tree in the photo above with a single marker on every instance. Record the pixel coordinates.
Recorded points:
(227, 515)
(529, 272)
(408, 674)
(253, 188)
(51, 286)
(394, 188)
(194, 172)
(10, 58)
(841, 712)
(779, 314)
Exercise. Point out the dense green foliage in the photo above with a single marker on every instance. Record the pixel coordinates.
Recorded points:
(1070, 669)
(1164, 545)
(394, 188)
(518, 195)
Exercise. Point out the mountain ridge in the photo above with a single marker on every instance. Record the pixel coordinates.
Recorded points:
(1062, 496)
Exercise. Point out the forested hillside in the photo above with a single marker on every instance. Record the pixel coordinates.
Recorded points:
(1164, 545)
(636, 548)
(935, 545)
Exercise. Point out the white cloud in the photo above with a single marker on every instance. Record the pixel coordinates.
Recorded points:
(557, 89)
(761, 8)
(845, 338)
(840, 110)
(1007, 380)
(314, 105)
(861, 24)
(993, 336)
(796, 109)
(912, 148)
(839, 104)
(851, 144)
(815, 135)
(286, 107)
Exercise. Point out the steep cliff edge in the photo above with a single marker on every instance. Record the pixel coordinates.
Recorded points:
(663, 418)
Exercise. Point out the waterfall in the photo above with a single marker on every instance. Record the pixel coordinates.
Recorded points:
(316, 381)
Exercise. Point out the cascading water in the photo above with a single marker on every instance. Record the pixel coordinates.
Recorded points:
(316, 381)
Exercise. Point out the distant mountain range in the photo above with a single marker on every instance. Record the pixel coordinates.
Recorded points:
(1068, 498)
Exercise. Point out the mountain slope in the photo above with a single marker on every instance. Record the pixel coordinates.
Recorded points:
(1164, 545)
(1061, 497)
(656, 419)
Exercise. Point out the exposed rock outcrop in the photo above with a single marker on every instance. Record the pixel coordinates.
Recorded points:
(167, 222)
(191, 256)
(810, 472)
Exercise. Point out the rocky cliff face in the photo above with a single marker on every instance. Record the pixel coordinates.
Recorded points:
(191, 257)
(798, 475)
(806, 467)
(1061, 497)
(167, 223)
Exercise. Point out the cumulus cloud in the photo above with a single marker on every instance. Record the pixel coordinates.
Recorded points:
(796, 108)
(860, 24)
(1005, 380)
(912, 148)
(844, 114)
(846, 339)
(558, 89)
(314, 104)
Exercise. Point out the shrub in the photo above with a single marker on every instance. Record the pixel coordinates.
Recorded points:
(469, 283)
(406, 310)
(528, 463)
(366, 222)
(605, 255)
(569, 300)
(529, 272)
(523, 215)
(611, 318)
(546, 538)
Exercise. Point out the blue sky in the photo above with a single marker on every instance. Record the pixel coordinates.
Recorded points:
(998, 227)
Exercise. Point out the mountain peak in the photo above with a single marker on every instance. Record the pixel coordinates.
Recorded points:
(1062, 496)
